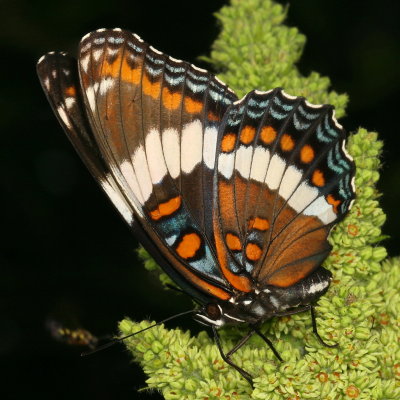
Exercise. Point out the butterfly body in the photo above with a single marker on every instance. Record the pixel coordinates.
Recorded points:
(233, 198)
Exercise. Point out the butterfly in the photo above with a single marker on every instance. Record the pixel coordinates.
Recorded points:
(234, 198)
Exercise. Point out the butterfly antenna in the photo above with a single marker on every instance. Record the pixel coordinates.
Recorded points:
(119, 340)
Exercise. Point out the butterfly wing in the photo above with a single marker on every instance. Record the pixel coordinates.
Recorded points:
(153, 124)
(284, 179)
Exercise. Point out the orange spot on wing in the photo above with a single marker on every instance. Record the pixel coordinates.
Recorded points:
(268, 134)
(233, 242)
(306, 154)
(70, 91)
(228, 142)
(259, 223)
(332, 201)
(152, 89)
(113, 68)
(212, 116)
(318, 178)
(253, 252)
(193, 106)
(189, 245)
(166, 208)
(171, 101)
(129, 74)
(287, 143)
(247, 134)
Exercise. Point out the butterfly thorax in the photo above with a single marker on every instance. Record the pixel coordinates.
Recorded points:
(266, 302)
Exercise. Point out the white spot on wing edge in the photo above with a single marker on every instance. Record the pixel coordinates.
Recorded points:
(64, 116)
(118, 201)
(347, 154)
(191, 145)
(101, 30)
(70, 101)
(91, 96)
(198, 68)
(219, 81)
(311, 105)
(41, 59)
(155, 156)
(240, 100)
(353, 185)
(262, 92)
(86, 36)
(288, 96)
(351, 204)
(335, 121)
(155, 50)
(171, 148)
(175, 59)
(117, 30)
(144, 179)
(137, 37)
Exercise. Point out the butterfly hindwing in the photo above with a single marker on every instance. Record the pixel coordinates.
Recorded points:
(283, 180)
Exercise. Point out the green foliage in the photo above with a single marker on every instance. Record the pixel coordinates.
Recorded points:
(362, 307)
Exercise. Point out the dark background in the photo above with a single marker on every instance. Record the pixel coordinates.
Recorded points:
(65, 252)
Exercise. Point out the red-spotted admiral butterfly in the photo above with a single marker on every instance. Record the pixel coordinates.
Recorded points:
(233, 198)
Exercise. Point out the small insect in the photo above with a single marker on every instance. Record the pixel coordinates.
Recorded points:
(234, 198)
(73, 337)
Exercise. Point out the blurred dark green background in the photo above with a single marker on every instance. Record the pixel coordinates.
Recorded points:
(65, 252)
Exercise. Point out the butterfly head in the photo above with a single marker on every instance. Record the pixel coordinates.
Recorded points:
(239, 310)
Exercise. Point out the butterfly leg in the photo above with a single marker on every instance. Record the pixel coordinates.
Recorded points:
(315, 330)
(269, 343)
(313, 321)
(241, 343)
(241, 371)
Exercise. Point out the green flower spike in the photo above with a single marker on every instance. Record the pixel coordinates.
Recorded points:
(362, 307)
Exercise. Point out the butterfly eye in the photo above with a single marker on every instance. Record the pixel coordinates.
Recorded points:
(213, 311)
